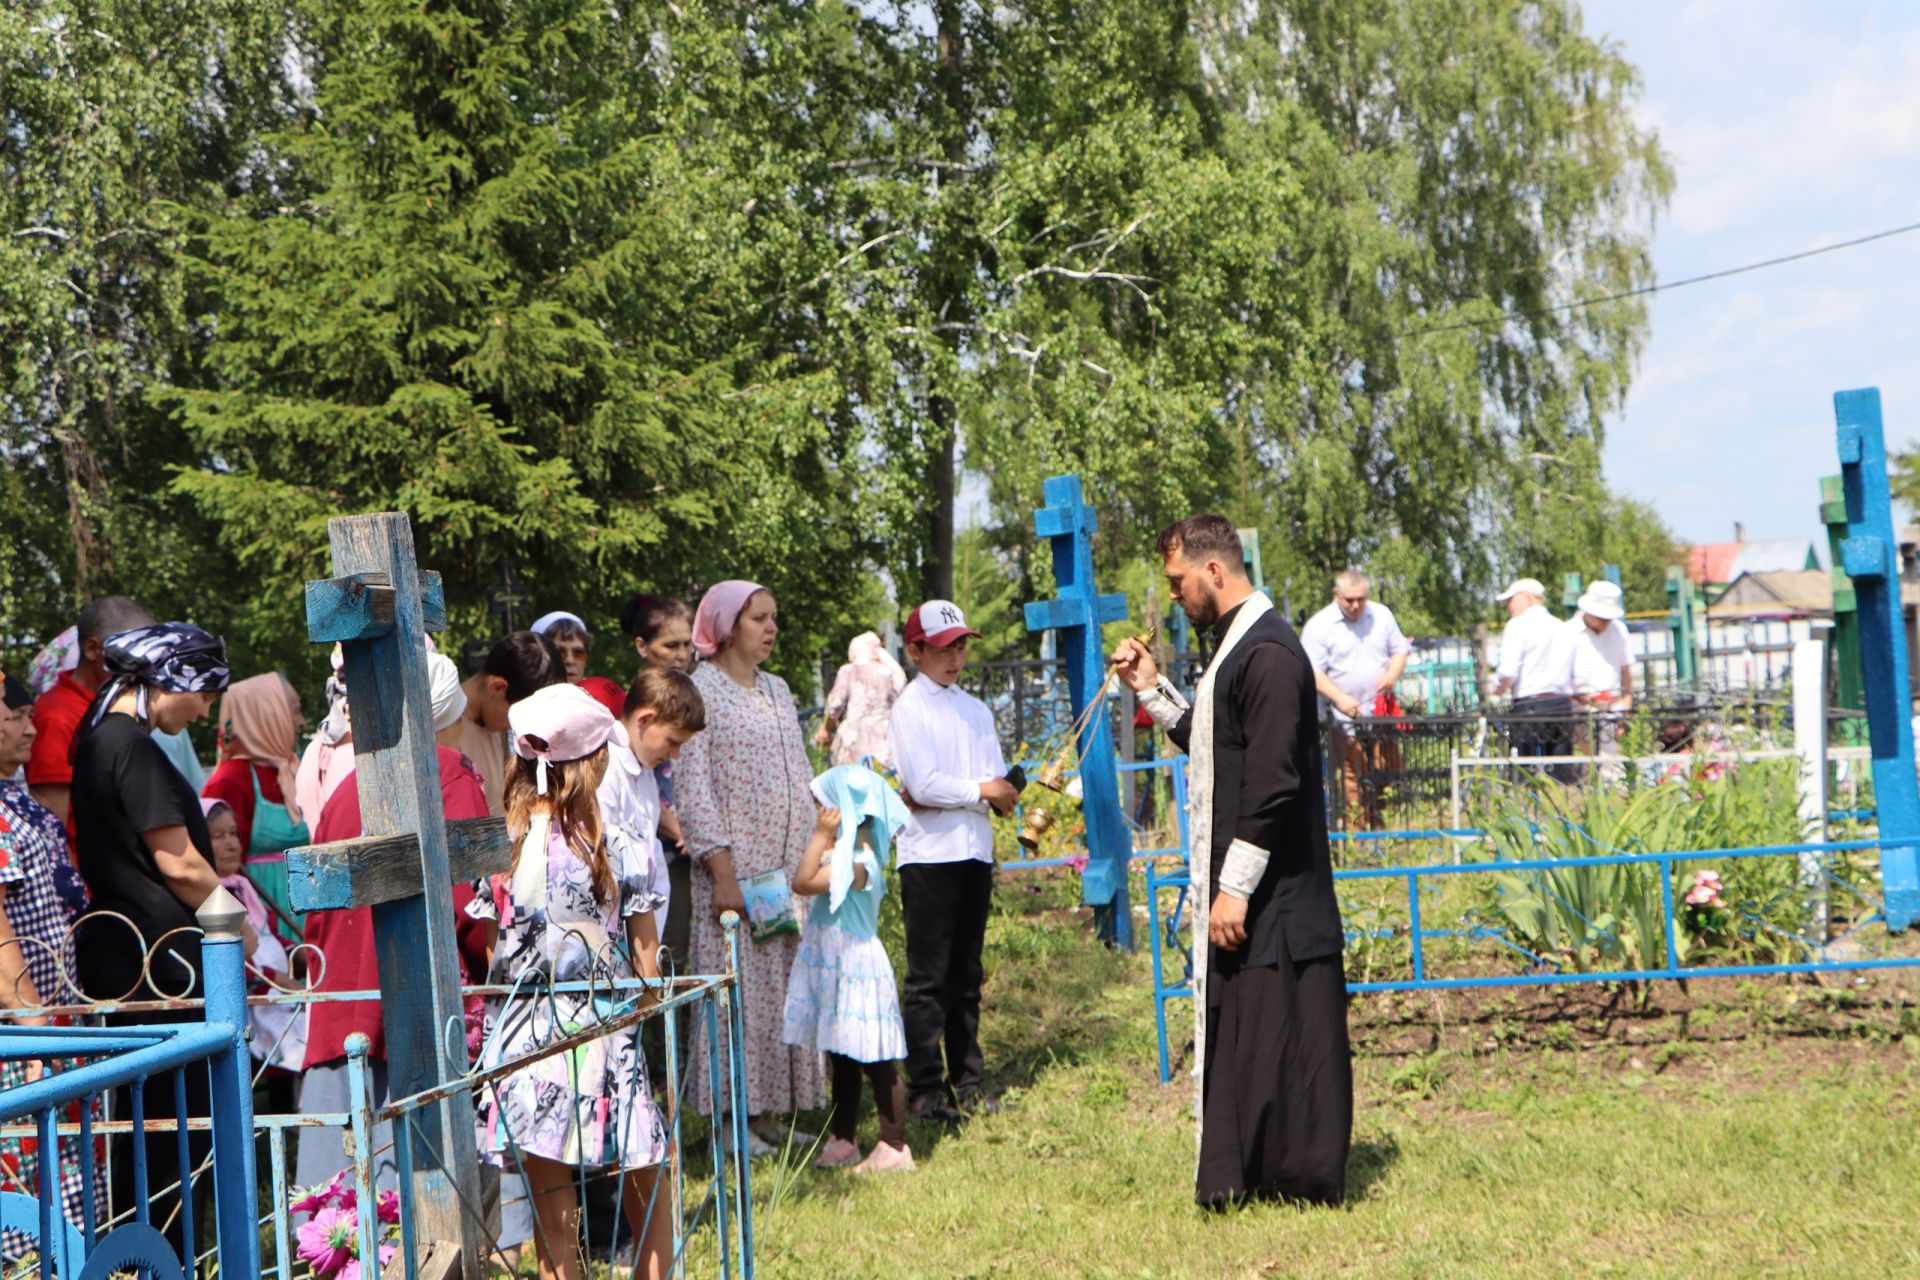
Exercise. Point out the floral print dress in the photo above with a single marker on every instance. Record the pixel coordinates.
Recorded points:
(590, 1106)
(744, 785)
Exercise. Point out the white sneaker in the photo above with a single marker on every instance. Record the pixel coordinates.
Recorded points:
(887, 1158)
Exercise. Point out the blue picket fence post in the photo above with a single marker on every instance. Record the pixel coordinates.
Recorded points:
(235, 1177)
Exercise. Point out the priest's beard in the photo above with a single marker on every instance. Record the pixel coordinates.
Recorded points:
(1201, 604)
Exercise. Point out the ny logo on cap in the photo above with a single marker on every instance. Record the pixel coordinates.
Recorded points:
(949, 614)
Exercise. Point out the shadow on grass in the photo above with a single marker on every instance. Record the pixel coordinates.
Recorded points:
(1368, 1164)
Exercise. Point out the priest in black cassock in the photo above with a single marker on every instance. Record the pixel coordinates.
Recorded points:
(1274, 1096)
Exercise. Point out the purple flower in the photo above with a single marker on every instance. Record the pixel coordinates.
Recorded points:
(389, 1207)
(326, 1243)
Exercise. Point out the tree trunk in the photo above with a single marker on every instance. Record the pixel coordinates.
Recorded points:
(949, 302)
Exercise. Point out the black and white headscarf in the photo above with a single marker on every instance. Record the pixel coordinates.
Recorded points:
(176, 657)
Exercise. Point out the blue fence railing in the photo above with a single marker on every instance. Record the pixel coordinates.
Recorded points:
(153, 1065)
(180, 1057)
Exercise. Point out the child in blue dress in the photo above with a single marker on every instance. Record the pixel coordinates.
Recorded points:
(841, 999)
(576, 885)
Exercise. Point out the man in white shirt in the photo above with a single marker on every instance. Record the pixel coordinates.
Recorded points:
(1539, 662)
(1358, 652)
(1605, 669)
(947, 753)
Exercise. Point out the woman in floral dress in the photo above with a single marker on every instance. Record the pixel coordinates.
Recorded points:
(573, 888)
(746, 809)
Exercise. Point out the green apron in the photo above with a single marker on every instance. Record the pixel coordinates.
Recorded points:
(274, 832)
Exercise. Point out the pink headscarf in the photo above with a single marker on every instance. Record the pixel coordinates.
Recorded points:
(261, 717)
(719, 610)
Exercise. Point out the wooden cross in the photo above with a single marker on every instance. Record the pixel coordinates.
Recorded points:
(1076, 614)
(403, 866)
(1870, 554)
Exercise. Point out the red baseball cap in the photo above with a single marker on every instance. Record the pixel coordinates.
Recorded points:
(938, 623)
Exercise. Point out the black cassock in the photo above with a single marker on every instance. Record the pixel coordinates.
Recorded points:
(1277, 1097)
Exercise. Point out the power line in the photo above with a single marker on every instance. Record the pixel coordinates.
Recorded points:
(1658, 288)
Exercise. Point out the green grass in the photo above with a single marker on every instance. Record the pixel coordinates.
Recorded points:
(1753, 1129)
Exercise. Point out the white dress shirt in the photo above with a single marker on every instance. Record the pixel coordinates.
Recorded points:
(1602, 654)
(630, 799)
(944, 746)
(1354, 655)
(1539, 656)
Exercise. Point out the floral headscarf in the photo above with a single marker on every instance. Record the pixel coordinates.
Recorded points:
(175, 657)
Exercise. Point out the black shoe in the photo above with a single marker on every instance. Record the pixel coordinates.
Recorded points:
(975, 1102)
(931, 1106)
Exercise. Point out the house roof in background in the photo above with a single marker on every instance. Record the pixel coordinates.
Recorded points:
(1725, 561)
(1779, 593)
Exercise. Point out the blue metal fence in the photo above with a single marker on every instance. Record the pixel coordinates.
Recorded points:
(160, 1055)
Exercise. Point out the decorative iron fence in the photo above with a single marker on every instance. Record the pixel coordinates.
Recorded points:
(148, 1225)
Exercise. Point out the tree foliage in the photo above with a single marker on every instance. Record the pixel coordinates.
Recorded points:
(644, 296)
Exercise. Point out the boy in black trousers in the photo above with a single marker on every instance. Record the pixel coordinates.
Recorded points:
(947, 753)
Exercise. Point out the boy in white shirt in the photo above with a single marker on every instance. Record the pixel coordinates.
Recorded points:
(947, 753)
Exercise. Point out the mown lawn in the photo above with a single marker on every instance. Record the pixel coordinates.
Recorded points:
(1763, 1129)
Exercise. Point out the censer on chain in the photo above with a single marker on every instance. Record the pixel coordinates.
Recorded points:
(1053, 774)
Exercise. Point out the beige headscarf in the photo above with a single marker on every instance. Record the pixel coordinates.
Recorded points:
(261, 718)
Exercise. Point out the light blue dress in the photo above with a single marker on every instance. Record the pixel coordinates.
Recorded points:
(842, 997)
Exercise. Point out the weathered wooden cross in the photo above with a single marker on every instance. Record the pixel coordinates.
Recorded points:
(1077, 614)
(379, 609)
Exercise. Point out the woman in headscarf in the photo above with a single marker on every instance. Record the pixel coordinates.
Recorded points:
(259, 760)
(148, 862)
(746, 810)
(860, 702)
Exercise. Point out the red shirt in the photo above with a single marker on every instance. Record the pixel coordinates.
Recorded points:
(346, 937)
(231, 782)
(57, 713)
(606, 693)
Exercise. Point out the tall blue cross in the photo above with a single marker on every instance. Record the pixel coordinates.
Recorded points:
(378, 609)
(1076, 615)
(1871, 556)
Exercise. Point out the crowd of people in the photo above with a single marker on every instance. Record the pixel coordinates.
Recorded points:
(640, 815)
(1570, 681)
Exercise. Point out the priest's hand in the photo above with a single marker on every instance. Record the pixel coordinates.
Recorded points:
(1227, 922)
(1135, 666)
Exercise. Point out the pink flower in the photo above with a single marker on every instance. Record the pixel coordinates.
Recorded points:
(315, 1199)
(1079, 863)
(389, 1207)
(1706, 890)
(351, 1271)
(326, 1243)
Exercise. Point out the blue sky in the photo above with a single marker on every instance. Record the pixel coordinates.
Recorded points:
(1789, 126)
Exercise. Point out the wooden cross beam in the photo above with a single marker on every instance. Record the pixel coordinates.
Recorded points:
(1077, 614)
(377, 607)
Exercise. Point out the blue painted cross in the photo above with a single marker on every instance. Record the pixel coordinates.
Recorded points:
(1076, 614)
(1871, 557)
(378, 609)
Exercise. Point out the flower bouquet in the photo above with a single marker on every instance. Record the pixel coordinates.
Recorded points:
(329, 1241)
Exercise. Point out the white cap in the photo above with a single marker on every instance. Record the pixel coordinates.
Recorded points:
(546, 621)
(1531, 586)
(1602, 600)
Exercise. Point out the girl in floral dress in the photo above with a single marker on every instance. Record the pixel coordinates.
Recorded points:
(574, 886)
